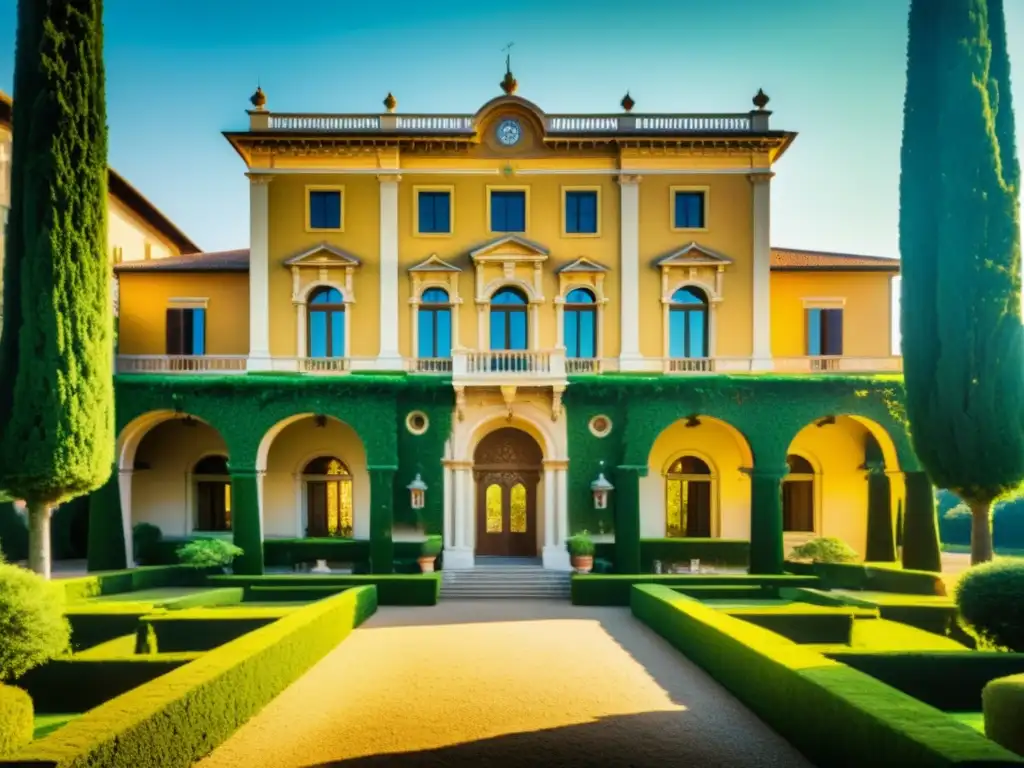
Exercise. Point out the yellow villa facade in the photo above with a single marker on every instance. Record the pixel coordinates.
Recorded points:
(505, 305)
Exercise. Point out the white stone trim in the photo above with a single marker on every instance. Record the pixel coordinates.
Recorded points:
(838, 302)
(185, 302)
(761, 284)
(447, 281)
(682, 171)
(124, 489)
(629, 282)
(259, 272)
(300, 298)
(668, 291)
(534, 298)
(566, 284)
(390, 356)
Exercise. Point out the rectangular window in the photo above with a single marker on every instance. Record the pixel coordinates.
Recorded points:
(689, 209)
(508, 210)
(325, 209)
(434, 212)
(824, 332)
(581, 212)
(186, 331)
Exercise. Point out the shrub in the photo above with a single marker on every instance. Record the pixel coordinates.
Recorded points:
(581, 545)
(431, 547)
(145, 538)
(33, 629)
(1003, 705)
(16, 719)
(826, 549)
(955, 525)
(991, 602)
(208, 553)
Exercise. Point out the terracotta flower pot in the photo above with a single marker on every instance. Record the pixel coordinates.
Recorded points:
(426, 564)
(583, 563)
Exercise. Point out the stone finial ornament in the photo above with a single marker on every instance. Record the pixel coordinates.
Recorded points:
(760, 99)
(258, 99)
(627, 102)
(390, 102)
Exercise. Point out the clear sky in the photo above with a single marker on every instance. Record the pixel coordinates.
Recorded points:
(181, 71)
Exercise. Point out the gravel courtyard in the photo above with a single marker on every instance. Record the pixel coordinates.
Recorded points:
(504, 683)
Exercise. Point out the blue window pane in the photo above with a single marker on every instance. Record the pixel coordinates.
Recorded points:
(517, 330)
(434, 212)
(435, 296)
(588, 337)
(426, 333)
(318, 334)
(689, 296)
(326, 296)
(508, 211)
(696, 340)
(579, 296)
(677, 333)
(198, 331)
(508, 296)
(572, 333)
(498, 330)
(443, 324)
(325, 209)
(337, 334)
(581, 212)
(689, 211)
(814, 332)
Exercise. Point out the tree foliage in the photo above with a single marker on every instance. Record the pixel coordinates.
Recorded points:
(960, 245)
(57, 419)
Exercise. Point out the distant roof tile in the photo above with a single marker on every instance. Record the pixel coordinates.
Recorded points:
(215, 261)
(795, 259)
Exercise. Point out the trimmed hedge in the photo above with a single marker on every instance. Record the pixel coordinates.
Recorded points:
(720, 552)
(875, 578)
(95, 625)
(80, 684)
(835, 715)
(949, 680)
(257, 593)
(825, 625)
(202, 630)
(392, 588)
(132, 580)
(206, 598)
(614, 589)
(885, 635)
(16, 719)
(154, 726)
(1003, 705)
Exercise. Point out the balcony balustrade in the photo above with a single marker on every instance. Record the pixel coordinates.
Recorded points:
(181, 363)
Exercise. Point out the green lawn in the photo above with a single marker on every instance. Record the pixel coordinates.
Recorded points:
(155, 595)
(47, 724)
(975, 720)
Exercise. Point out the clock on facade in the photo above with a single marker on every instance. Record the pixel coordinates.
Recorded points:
(509, 132)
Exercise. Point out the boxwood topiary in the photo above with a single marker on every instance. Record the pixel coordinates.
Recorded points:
(145, 538)
(208, 553)
(16, 719)
(33, 629)
(991, 602)
(825, 549)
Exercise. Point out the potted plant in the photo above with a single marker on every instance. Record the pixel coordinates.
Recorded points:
(581, 551)
(209, 554)
(429, 551)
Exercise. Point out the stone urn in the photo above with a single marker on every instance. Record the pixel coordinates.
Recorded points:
(320, 567)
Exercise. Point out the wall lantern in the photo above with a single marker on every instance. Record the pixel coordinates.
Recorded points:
(600, 489)
(417, 492)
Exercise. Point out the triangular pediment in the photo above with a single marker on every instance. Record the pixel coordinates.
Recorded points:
(694, 255)
(582, 264)
(510, 248)
(323, 255)
(434, 263)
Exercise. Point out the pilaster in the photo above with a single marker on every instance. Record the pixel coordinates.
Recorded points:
(766, 538)
(259, 273)
(629, 289)
(390, 357)
(761, 298)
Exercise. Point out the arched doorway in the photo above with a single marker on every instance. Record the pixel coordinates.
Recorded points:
(328, 498)
(507, 467)
(688, 499)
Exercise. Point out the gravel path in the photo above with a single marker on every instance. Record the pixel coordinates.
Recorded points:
(504, 683)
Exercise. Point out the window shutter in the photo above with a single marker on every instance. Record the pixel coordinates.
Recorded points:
(834, 331)
(175, 341)
(808, 342)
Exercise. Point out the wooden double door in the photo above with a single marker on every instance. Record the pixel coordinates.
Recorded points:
(507, 466)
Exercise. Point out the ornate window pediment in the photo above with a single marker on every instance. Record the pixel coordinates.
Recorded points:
(694, 264)
(323, 266)
(434, 272)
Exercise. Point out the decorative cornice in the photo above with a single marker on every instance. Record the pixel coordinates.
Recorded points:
(629, 178)
(761, 177)
(385, 177)
(260, 179)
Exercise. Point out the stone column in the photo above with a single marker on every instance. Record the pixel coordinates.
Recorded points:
(626, 498)
(550, 527)
(382, 501)
(629, 298)
(109, 546)
(761, 298)
(881, 544)
(389, 357)
(766, 544)
(259, 273)
(920, 525)
(247, 519)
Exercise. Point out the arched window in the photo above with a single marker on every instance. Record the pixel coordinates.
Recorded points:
(435, 324)
(326, 323)
(688, 324)
(509, 319)
(580, 324)
(212, 494)
(328, 498)
(688, 499)
(798, 496)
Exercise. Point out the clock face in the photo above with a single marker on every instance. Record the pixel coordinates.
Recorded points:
(509, 132)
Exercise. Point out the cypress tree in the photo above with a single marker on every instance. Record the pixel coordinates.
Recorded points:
(960, 246)
(56, 418)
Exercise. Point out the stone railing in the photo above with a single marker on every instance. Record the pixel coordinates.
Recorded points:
(496, 366)
(435, 365)
(181, 363)
(624, 124)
